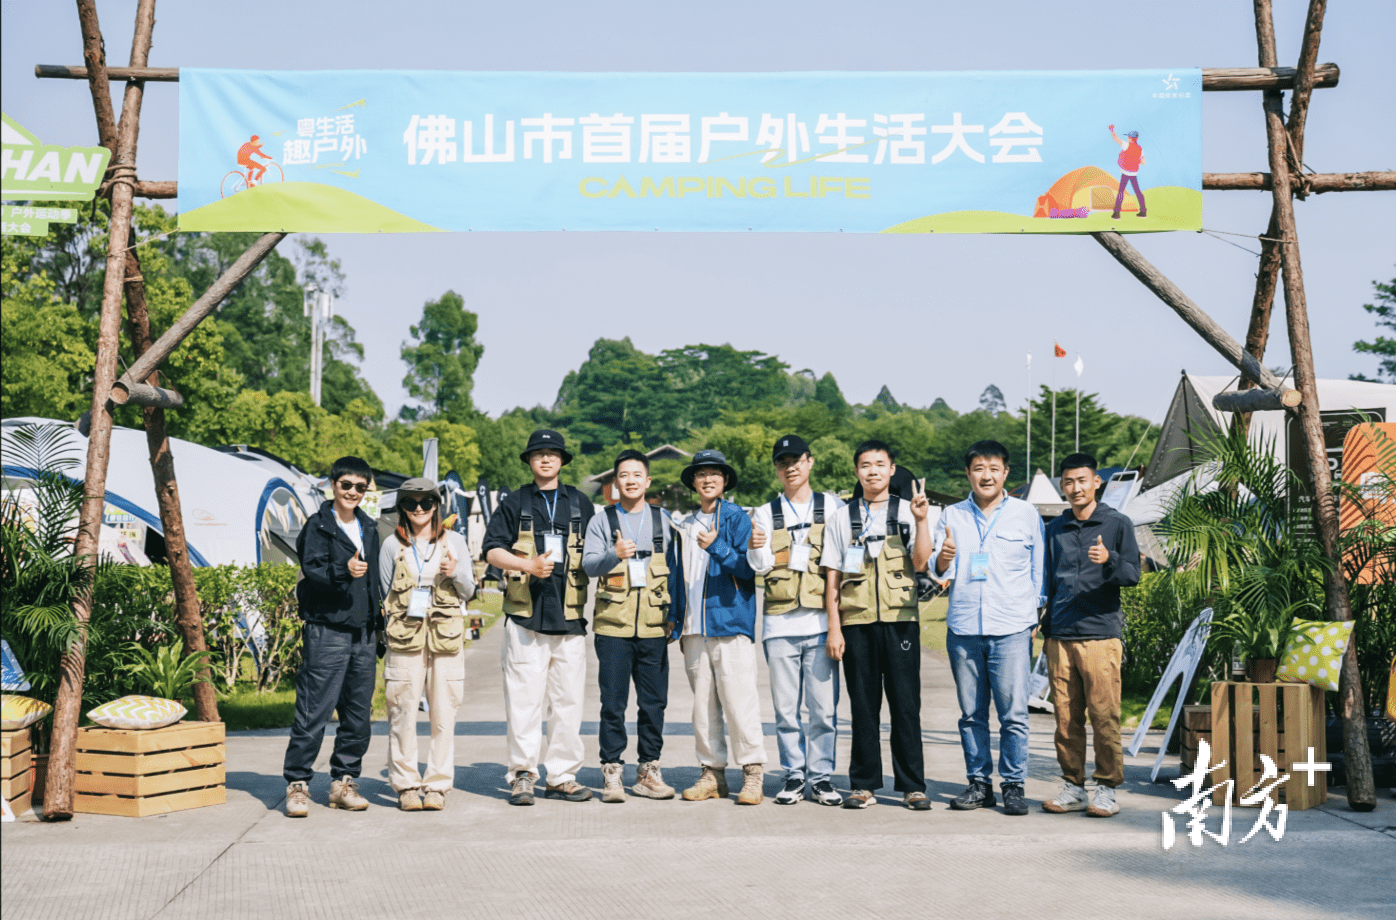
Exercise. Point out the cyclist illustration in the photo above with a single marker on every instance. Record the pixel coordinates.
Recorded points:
(257, 173)
(246, 152)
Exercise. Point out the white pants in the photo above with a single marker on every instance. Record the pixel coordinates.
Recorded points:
(722, 673)
(406, 675)
(544, 679)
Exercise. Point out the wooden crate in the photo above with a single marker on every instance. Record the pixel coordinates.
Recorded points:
(1287, 721)
(1197, 726)
(156, 771)
(16, 758)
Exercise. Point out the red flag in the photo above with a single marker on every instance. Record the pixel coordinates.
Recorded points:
(1058, 351)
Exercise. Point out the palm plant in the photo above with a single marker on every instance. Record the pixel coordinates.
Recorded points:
(164, 673)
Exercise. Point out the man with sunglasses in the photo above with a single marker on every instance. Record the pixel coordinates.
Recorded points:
(340, 598)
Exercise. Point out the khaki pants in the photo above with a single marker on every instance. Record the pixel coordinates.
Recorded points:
(406, 676)
(722, 673)
(544, 679)
(1086, 679)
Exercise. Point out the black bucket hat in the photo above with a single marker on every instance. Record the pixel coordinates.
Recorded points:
(546, 438)
(708, 458)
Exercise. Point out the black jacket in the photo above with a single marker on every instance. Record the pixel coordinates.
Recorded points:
(1083, 598)
(549, 616)
(326, 592)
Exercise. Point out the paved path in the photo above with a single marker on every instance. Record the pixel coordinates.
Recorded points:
(481, 858)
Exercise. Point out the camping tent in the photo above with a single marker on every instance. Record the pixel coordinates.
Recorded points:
(235, 512)
(1085, 189)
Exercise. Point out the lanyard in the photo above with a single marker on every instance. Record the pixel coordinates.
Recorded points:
(984, 534)
(801, 523)
(552, 508)
(418, 558)
(625, 522)
(868, 520)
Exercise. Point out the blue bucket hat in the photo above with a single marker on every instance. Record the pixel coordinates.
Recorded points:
(708, 458)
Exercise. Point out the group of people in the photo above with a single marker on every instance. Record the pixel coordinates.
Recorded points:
(840, 587)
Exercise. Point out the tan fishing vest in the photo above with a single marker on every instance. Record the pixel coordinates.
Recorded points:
(625, 611)
(885, 591)
(518, 595)
(787, 590)
(443, 628)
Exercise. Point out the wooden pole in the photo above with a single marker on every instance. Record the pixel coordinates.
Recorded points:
(1191, 313)
(1358, 758)
(1299, 100)
(1317, 183)
(1256, 400)
(67, 709)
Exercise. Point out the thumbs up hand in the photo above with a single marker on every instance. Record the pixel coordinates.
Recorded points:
(448, 562)
(947, 552)
(1098, 553)
(357, 567)
(624, 548)
(706, 537)
(542, 566)
(758, 539)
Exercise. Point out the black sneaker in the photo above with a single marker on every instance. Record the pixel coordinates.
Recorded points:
(792, 793)
(1013, 801)
(979, 794)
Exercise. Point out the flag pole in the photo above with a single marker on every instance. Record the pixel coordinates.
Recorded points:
(1029, 439)
(1079, 366)
(1053, 464)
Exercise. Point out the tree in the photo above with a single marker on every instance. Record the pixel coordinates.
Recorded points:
(441, 364)
(1384, 348)
(1110, 438)
(618, 394)
(827, 391)
(886, 400)
(991, 400)
(833, 464)
(710, 379)
(43, 341)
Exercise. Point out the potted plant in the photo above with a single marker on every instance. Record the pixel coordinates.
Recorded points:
(1258, 637)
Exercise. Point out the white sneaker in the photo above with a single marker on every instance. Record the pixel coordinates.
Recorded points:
(1071, 798)
(1103, 803)
(792, 793)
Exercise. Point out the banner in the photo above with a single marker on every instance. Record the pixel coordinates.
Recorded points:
(415, 151)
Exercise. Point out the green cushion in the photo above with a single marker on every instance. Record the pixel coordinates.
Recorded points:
(1314, 653)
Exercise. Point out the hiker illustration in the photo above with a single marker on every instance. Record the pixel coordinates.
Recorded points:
(1130, 159)
(246, 152)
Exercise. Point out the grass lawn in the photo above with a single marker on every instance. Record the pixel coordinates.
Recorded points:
(245, 708)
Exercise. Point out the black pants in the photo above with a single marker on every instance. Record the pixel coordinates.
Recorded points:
(338, 670)
(646, 661)
(880, 656)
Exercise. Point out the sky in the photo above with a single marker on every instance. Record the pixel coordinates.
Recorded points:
(934, 316)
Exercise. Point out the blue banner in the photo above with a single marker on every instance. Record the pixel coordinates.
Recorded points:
(367, 151)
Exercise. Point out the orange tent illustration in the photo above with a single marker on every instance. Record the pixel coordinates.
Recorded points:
(1087, 187)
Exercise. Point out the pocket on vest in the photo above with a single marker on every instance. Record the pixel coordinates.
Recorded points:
(405, 634)
(782, 586)
(447, 634)
(853, 594)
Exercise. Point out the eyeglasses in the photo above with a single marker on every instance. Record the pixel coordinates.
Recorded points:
(350, 486)
(427, 503)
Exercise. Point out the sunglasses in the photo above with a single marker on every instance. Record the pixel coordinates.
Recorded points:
(412, 504)
(349, 486)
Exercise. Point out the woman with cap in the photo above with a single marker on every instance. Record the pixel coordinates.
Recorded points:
(429, 579)
(714, 610)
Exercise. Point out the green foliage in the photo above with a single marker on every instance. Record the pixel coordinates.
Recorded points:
(1384, 348)
(164, 673)
(1111, 438)
(441, 361)
(833, 464)
(1156, 615)
(618, 393)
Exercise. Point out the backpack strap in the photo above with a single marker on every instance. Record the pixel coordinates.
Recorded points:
(612, 520)
(903, 530)
(525, 510)
(576, 507)
(657, 528)
(777, 514)
(855, 521)
(819, 507)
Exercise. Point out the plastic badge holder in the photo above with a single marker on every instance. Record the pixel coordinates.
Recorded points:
(853, 560)
(552, 543)
(638, 572)
(419, 602)
(979, 566)
(799, 557)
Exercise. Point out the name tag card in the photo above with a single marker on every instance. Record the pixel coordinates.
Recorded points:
(853, 560)
(418, 603)
(979, 567)
(799, 557)
(552, 543)
(639, 572)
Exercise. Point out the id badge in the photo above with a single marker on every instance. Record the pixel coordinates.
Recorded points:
(419, 602)
(853, 560)
(799, 557)
(979, 567)
(552, 543)
(639, 570)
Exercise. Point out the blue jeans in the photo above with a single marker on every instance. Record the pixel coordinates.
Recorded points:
(996, 666)
(801, 666)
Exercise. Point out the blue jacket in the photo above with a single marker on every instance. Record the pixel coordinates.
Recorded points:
(730, 607)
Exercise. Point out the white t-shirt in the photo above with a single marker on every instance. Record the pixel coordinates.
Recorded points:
(430, 558)
(695, 570)
(354, 531)
(802, 621)
(837, 538)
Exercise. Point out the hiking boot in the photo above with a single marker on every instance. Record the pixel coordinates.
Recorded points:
(521, 791)
(409, 800)
(859, 798)
(979, 794)
(297, 800)
(916, 801)
(649, 782)
(794, 791)
(712, 784)
(824, 793)
(434, 800)
(1013, 801)
(1103, 803)
(1115, 216)
(344, 793)
(611, 788)
(752, 775)
(571, 791)
(1071, 798)
(1142, 213)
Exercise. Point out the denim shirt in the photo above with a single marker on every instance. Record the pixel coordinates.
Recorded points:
(1007, 601)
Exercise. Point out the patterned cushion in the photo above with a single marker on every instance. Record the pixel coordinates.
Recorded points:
(137, 712)
(21, 711)
(1314, 653)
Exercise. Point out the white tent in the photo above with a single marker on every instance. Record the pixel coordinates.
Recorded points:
(1045, 496)
(235, 512)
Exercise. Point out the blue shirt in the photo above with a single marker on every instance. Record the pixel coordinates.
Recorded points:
(1007, 601)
